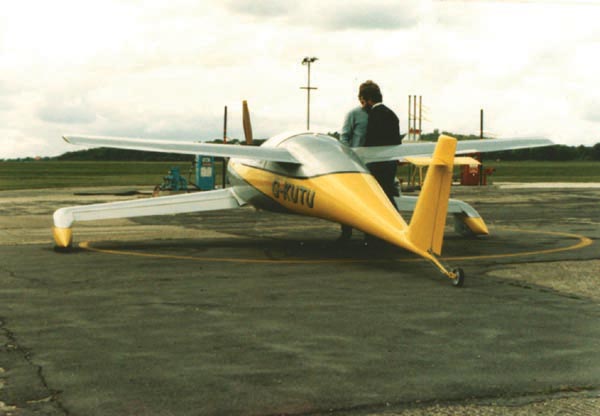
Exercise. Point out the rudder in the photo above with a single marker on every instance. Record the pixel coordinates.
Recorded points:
(426, 228)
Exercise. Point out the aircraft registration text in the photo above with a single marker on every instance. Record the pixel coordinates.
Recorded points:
(294, 193)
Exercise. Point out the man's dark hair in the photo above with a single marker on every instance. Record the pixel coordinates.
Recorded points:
(368, 90)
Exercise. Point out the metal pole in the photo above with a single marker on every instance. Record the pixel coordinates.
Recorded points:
(308, 61)
(408, 125)
(225, 126)
(308, 101)
(480, 167)
(420, 114)
(224, 165)
(481, 124)
(415, 115)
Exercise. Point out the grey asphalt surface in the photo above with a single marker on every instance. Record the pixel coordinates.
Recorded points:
(253, 313)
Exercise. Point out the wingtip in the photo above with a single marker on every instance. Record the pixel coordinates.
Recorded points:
(477, 225)
(66, 139)
(63, 237)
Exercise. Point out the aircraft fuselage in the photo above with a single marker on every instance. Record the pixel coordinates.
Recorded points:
(319, 155)
(330, 182)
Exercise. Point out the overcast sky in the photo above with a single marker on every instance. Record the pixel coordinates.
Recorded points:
(166, 69)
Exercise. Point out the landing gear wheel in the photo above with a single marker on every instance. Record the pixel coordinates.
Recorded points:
(459, 280)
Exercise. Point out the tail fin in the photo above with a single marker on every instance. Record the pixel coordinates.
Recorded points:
(426, 228)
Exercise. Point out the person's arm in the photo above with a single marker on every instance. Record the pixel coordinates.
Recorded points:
(347, 129)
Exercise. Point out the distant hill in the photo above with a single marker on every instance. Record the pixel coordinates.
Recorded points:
(107, 154)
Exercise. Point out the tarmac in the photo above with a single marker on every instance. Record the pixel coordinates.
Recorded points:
(246, 312)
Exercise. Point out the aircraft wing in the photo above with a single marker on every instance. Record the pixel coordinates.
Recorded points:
(174, 204)
(170, 146)
(407, 150)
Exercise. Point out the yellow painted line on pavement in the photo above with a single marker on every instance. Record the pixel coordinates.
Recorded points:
(86, 246)
(582, 242)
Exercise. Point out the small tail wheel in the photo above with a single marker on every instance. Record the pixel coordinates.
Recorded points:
(459, 280)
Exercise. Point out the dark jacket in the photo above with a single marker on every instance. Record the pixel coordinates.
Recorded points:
(383, 128)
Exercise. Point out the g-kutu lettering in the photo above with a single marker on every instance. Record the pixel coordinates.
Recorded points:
(294, 193)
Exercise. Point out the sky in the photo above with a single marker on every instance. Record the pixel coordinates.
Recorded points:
(167, 69)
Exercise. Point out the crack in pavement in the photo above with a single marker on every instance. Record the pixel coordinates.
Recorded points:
(12, 344)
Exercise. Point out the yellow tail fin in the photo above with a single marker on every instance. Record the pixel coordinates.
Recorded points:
(426, 229)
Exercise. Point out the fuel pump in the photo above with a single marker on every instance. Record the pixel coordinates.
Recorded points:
(205, 172)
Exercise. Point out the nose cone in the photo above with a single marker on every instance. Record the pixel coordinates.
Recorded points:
(356, 199)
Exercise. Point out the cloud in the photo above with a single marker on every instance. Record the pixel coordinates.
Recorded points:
(366, 17)
(263, 8)
(167, 69)
(5, 96)
(5, 104)
(17, 143)
(66, 111)
(155, 124)
(331, 16)
(592, 111)
(4, 88)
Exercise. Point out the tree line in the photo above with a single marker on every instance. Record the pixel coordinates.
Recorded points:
(108, 154)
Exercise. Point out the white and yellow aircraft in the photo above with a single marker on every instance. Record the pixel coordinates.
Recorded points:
(315, 175)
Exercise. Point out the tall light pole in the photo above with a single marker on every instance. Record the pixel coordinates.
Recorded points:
(307, 61)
